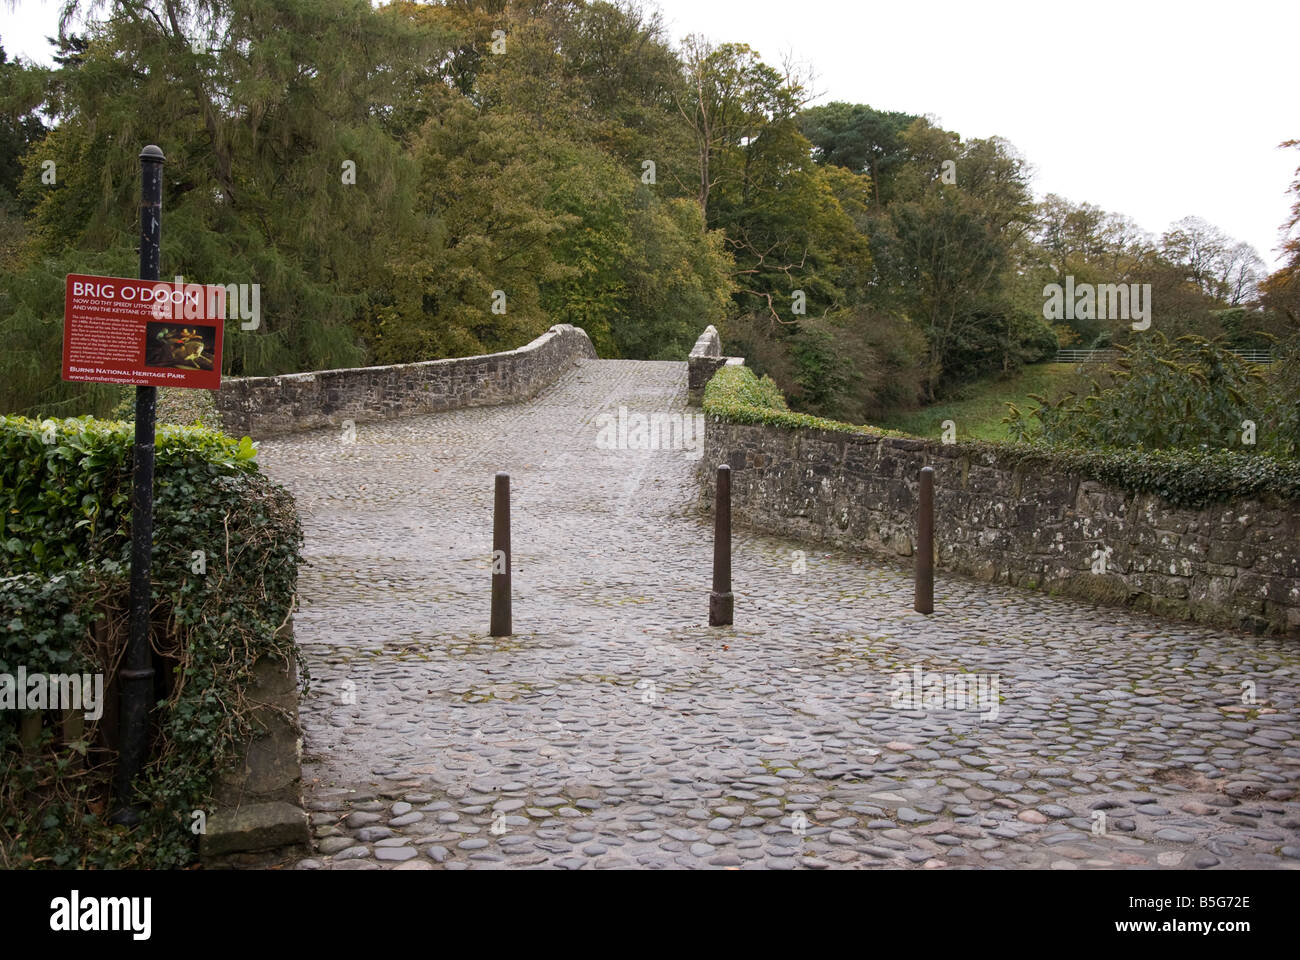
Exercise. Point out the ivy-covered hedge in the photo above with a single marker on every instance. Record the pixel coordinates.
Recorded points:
(226, 553)
(1185, 478)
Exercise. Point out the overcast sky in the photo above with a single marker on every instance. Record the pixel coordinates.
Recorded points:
(1151, 108)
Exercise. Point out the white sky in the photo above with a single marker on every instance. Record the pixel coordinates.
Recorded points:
(1158, 109)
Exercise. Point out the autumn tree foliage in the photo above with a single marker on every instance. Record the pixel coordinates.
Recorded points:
(412, 181)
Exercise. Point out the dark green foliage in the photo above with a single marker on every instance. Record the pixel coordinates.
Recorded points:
(20, 127)
(822, 373)
(858, 138)
(256, 127)
(64, 551)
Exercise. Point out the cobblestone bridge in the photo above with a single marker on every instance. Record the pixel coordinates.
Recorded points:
(616, 729)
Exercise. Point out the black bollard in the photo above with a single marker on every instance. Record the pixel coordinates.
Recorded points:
(721, 600)
(925, 543)
(501, 625)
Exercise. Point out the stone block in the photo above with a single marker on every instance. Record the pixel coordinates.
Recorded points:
(253, 827)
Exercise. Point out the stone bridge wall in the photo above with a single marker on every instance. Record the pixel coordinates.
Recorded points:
(269, 406)
(704, 360)
(1235, 564)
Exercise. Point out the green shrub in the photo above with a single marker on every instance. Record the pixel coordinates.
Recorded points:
(735, 394)
(65, 486)
(1189, 393)
(64, 556)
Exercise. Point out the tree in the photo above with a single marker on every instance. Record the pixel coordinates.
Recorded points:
(21, 89)
(944, 268)
(729, 98)
(859, 139)
(677, 278)
(534, 186)
(1089, 244)
(795, 228)
(943, 251)
(471, 281)
(645, 274)
(1280, 291)
(624, 77)
(1222, 270)
(1280, 298)
(280, 170)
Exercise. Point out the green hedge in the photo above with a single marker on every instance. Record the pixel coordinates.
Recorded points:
(1185, 478)
(64, 559)
(735, 394)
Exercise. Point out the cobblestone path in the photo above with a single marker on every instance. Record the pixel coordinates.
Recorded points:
(615, 729)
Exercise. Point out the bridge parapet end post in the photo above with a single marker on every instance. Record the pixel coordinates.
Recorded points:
(704, 361)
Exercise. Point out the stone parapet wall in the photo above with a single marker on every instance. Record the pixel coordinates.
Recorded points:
(1234, 564)
(704, 361)
(258, 799)
(271, 406)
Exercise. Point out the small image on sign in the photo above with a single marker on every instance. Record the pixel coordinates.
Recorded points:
(189, 347)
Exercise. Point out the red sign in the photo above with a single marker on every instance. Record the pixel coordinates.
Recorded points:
(143, 332)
